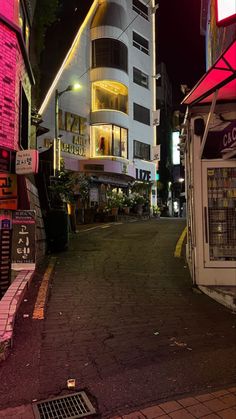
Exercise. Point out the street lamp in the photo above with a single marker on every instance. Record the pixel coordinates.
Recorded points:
(57, 139)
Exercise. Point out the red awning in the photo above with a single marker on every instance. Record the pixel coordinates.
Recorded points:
(221, 76)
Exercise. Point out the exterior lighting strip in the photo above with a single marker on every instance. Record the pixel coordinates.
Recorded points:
(68, 56)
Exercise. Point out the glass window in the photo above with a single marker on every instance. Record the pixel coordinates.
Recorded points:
(141, 150)
(109, 95)
(141, 43)
(141, 114)
(116, 141)
(109, 140)
(140, 78)
(140, 8)
(124, 143)
(108, 52)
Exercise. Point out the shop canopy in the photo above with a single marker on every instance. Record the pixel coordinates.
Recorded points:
(221, 76)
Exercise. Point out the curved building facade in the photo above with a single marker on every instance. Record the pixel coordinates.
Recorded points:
(106, 128)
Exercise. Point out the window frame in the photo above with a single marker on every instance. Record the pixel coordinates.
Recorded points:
(141, 47)
(110, 48)
(112, 141)
(141, 109)
(144, 149)
(139, 10)
(140, 73)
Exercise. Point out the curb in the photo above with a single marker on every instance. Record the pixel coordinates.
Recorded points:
(8, 309)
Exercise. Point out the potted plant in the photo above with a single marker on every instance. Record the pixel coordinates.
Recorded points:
(138, 202)
(114, 202)
(126, 204)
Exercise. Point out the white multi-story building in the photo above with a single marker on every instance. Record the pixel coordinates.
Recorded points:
(106, 127)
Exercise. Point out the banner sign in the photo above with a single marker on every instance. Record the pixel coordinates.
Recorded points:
(219, 142)
(23, 240)
(5, 251)
(27, 162)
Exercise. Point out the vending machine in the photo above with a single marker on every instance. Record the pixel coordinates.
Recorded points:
(219, 203)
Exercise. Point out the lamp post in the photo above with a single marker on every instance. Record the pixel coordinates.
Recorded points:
(57, 140)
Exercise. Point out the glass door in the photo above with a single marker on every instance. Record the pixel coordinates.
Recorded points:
(219, 196)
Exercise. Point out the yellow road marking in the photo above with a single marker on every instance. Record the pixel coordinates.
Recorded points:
(39, 307)
(178, 247)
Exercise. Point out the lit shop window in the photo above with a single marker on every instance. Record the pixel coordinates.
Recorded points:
(23, 22)
(109, 140)
(109, 95)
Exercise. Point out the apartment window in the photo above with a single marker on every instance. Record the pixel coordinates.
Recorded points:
(141, 43)
(141, 114)
(140, 8)
(24, 120)
(141, 150)
(109, 95)
(140, 78)
(110, 140)
(108, 52)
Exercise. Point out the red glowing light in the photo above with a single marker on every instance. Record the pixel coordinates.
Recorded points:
(5, 154)
(225, 12)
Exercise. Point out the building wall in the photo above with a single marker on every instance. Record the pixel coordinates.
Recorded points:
(77, 67)
(13, 72)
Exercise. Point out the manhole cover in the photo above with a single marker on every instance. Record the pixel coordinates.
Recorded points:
(74, 406)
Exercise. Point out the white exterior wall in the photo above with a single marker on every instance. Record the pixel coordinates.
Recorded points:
(77, 69)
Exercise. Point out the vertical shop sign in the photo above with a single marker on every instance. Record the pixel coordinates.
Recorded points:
(23, 240)
(5, 250)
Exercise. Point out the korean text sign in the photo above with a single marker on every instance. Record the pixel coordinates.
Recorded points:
(23, 240)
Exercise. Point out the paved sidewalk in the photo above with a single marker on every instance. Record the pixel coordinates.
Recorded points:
(220, 404)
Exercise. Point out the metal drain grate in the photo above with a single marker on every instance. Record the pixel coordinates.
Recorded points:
(74, 406)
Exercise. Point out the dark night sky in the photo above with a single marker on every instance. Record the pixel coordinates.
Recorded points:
(180, 45)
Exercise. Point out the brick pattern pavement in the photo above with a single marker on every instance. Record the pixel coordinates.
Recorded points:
(220, 404)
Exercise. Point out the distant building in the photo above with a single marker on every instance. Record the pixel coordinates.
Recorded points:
(106, 128)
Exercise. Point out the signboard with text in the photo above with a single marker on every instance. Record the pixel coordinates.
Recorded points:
(23, 240)
(26, 162)
(5, 250)
(225, 12)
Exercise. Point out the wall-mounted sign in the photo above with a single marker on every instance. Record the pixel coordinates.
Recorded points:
(156, 153)
(143, 175)
(225, 12)
(23, 240)
(71, 122)
(26, 162)
(219, 142)
(156, 117)
(5, 250)
(8, 191)
(78, 147)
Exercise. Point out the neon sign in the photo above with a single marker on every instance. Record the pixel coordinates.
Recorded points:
(225, 12)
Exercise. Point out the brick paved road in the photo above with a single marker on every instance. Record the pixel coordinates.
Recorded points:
(123, 320)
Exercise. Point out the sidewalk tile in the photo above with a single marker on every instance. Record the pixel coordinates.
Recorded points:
(232, 389)
(181, 414)
(211, 416)
(189, 401)
(215, 405)
(153, 412)
(199, 410)
(227, 414)
(134, 415)
(204, 397)
(219, 393)
(170, 406)
(229, 400)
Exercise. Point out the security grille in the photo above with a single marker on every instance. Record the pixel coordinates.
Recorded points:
(76, 405)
